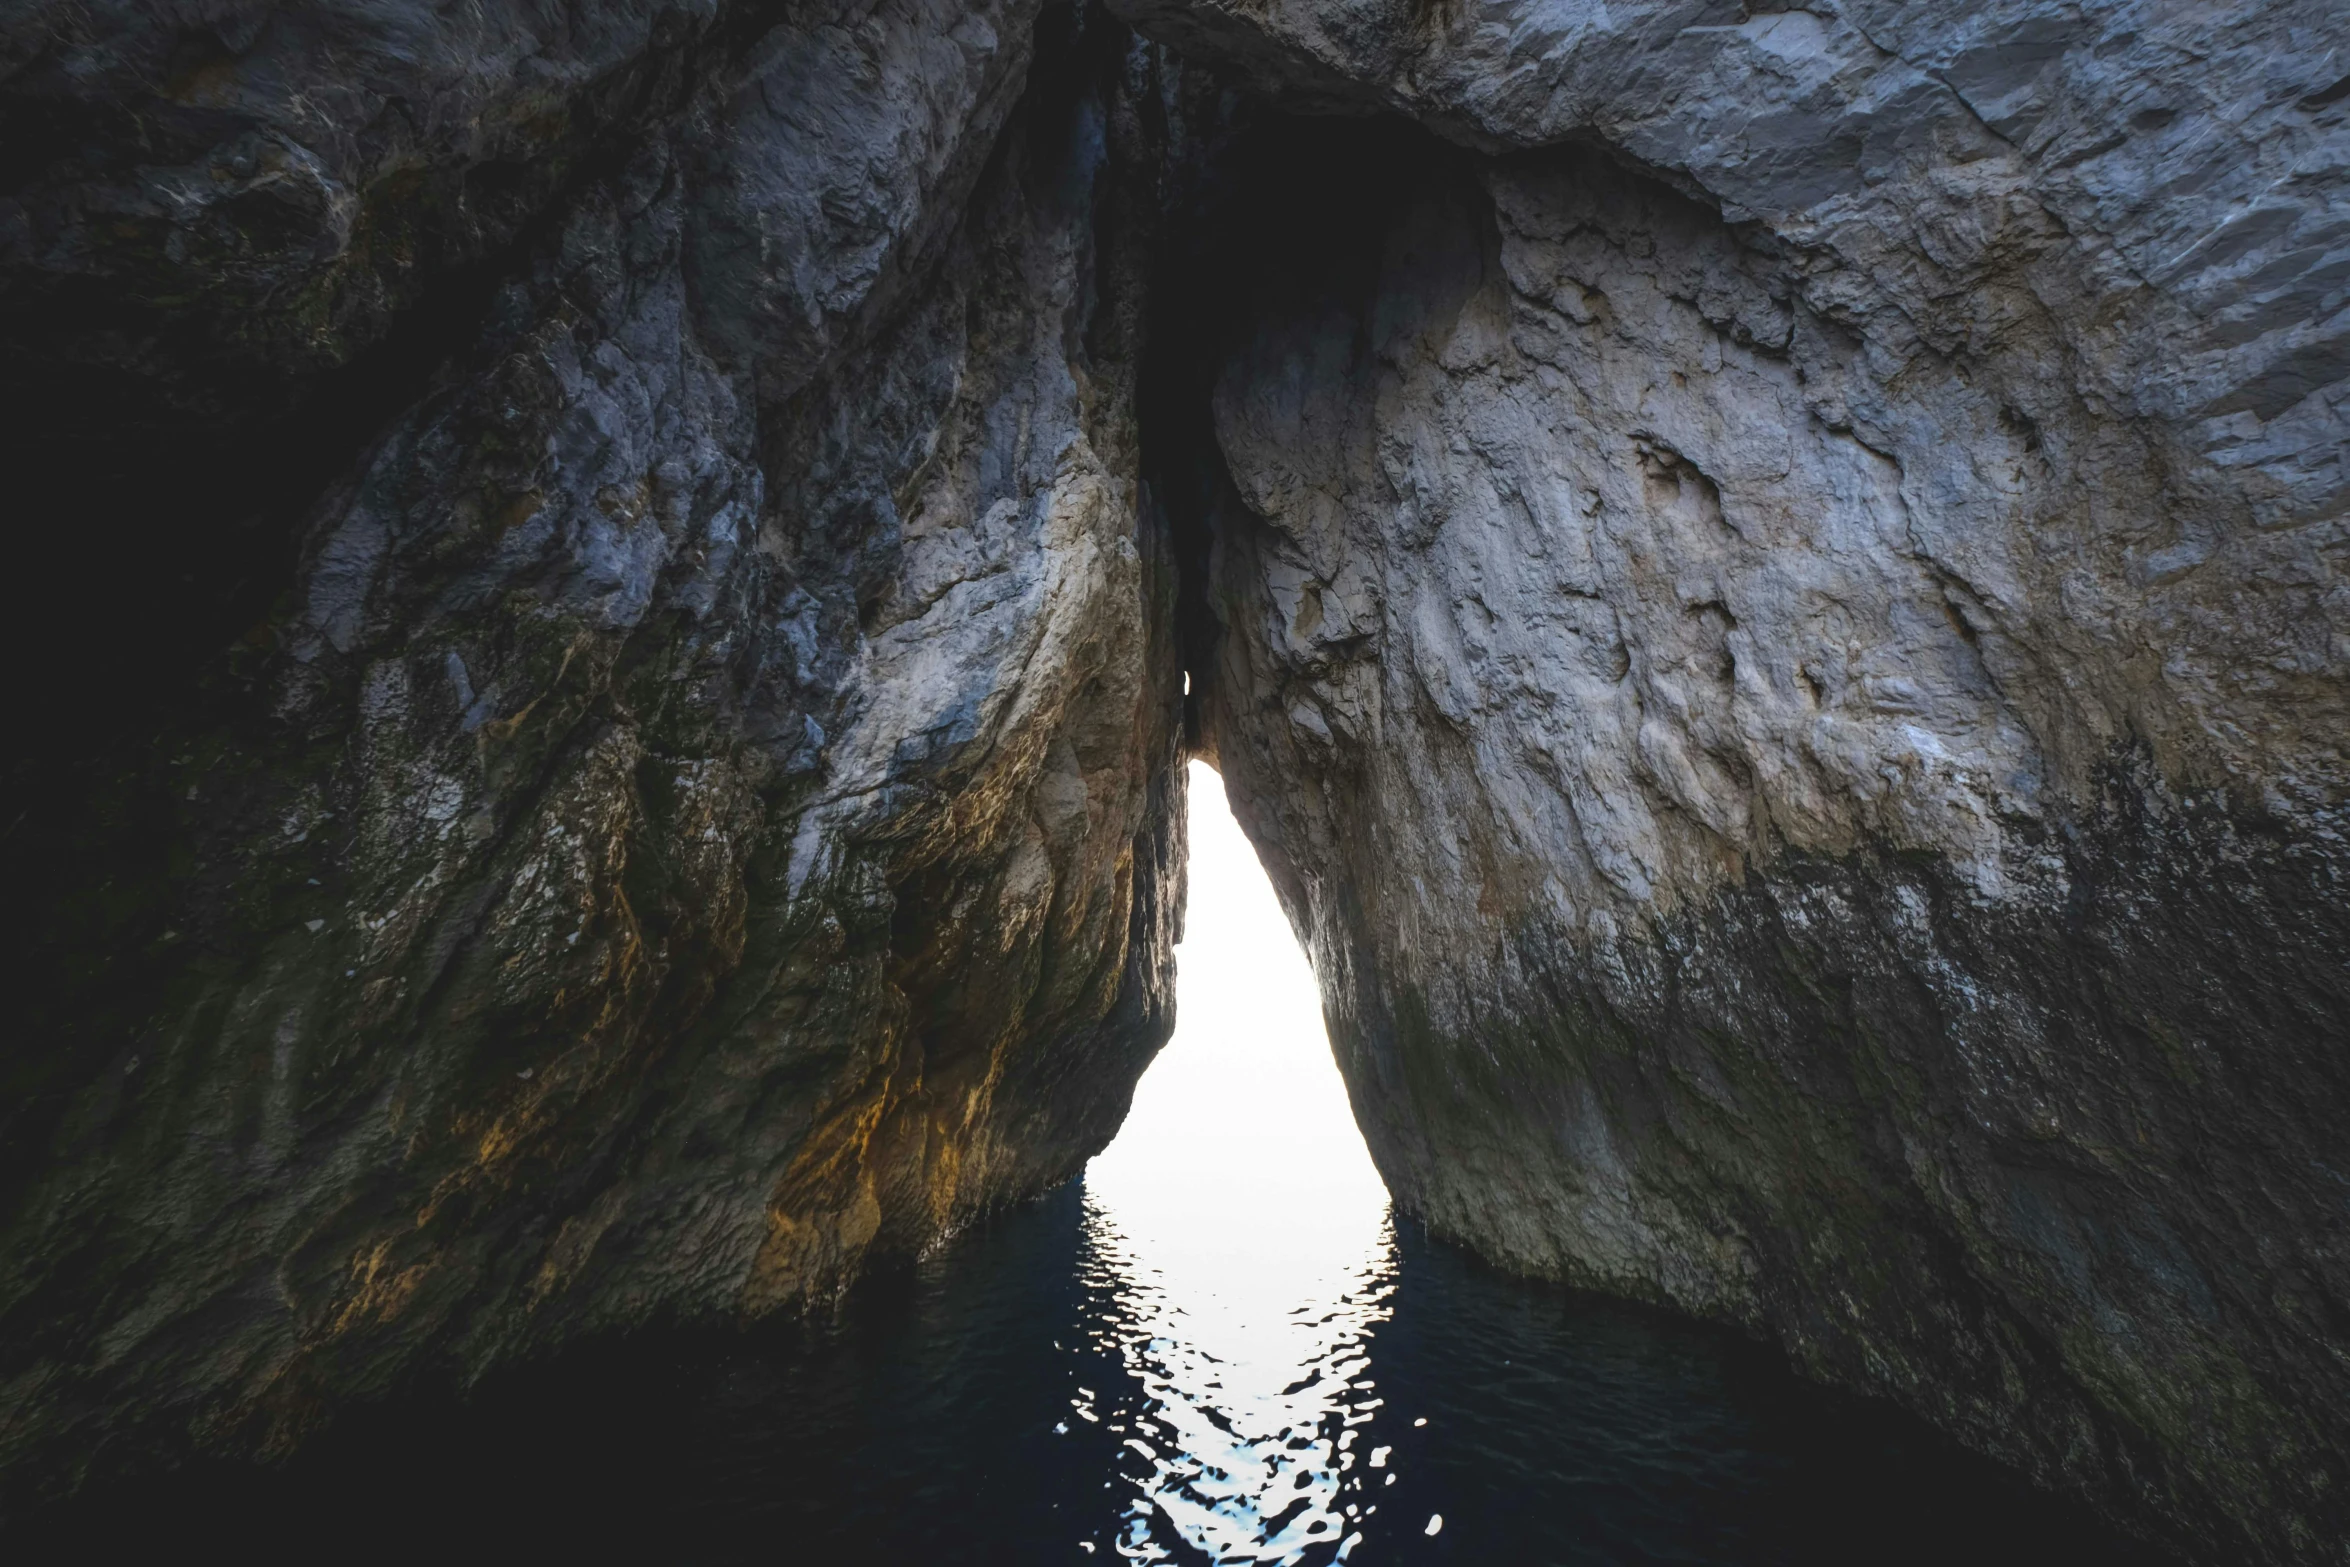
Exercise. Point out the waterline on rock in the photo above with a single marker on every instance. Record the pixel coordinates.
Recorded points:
(1219, 1348)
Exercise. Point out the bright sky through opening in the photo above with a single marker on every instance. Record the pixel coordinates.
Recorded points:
(1247, 1234)
(1245, 1099)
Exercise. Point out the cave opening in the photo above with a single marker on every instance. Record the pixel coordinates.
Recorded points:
(1225, 1340)
(1246, 1086)
(1241, 1221)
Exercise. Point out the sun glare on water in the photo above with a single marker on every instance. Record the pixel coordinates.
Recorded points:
(1240, 1226)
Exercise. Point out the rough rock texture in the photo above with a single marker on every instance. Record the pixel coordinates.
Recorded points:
(702, 805)
(1778, 612)
(599, 674)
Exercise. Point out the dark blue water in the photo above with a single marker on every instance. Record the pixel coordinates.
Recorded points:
(1220, 1347)
(936, 1421)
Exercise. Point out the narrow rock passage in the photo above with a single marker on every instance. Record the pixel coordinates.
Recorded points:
(1238, 1223)
(1220, 1346)
(615, 598)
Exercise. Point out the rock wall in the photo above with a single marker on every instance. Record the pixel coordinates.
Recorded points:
(698, 803)
(610, 588)
(1775, 606)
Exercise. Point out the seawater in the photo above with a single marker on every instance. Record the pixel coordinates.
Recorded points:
(1222, 1346)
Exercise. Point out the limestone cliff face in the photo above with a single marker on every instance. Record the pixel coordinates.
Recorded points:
(1776, 606)
(610, 586)
(698, 804)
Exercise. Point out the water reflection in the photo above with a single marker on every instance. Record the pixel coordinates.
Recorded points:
(1240, 1243)
(1220, 1350)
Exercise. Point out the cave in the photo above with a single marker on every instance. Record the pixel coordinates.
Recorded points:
(1766, 586)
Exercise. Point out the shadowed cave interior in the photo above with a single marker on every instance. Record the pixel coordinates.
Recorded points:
(1223, 1317)
(605, 712)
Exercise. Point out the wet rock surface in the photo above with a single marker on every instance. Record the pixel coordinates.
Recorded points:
(611, 588)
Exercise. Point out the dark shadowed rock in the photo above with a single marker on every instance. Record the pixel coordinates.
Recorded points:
(704, 806)
(606, 593)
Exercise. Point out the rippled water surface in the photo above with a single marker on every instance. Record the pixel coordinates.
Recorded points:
(1220, 1347)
